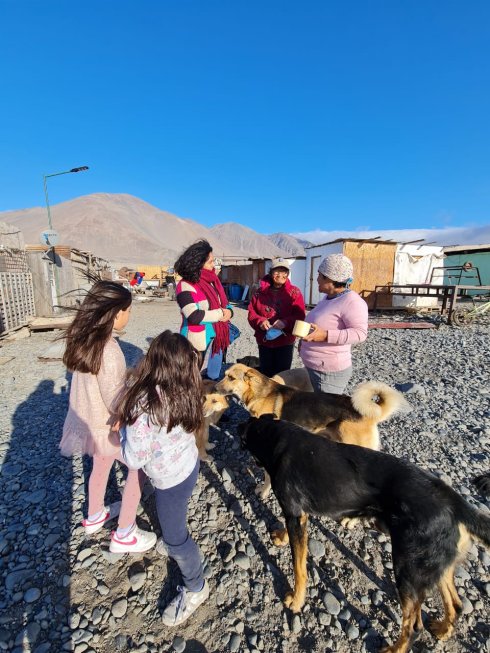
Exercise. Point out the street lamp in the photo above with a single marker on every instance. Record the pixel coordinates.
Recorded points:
(56, 174)
(50, 237)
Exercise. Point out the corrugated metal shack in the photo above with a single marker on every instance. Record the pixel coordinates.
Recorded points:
(248, 272)
(468, 264)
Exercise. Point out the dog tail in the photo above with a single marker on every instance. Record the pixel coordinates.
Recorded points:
(476, 522)
(377, 400)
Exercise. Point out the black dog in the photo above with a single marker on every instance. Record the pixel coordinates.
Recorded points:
(483, 484)
(430, 525)
(250, 361)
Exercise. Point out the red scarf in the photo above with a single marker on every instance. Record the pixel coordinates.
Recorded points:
(212, 288)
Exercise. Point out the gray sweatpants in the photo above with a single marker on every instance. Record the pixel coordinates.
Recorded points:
(333, 382)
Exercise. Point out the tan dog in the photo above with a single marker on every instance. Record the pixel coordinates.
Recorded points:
(298, 379)
(214, 405)
(351, 420)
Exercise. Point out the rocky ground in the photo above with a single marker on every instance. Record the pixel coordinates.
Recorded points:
(63, 592)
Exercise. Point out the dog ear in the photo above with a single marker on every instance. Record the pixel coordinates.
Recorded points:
(250, 375)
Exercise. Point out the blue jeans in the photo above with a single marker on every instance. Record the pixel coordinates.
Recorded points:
(172, 505)
(334, 383)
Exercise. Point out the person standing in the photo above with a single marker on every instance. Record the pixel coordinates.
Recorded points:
(203, 304)
(338, 321)
(272, 312)
(159, 414)
(99, 374)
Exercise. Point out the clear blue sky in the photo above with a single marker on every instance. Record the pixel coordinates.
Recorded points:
(280, 115)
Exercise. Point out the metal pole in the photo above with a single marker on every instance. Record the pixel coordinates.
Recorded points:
(50, 224)
(47, 200)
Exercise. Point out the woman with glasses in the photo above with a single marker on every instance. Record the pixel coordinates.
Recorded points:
(272, 312)
(338, 321)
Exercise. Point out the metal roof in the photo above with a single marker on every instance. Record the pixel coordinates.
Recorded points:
(466, 248)
(376, 240)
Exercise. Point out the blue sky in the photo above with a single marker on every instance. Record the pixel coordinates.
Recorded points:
(283, 116)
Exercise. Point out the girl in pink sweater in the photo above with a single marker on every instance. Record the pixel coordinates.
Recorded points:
(99, 372)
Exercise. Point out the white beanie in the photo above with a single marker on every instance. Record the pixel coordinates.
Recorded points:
(337, 267)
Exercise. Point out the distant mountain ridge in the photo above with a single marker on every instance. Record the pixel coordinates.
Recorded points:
(129, 231)
(288, 243)
(246, 240)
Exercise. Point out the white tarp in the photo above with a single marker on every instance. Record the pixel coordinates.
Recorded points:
(414, 265)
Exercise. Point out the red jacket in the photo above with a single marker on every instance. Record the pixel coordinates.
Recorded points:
(286, 304)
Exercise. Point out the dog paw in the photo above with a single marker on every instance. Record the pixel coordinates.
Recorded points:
(262, 491)
(293, 603)
(349, 522)
(280, 537)
(441, 629)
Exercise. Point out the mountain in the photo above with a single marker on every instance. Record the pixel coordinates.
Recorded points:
(246, 240)
(128, 231)
(287, 243)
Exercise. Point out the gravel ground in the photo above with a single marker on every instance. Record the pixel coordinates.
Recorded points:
(63, 592)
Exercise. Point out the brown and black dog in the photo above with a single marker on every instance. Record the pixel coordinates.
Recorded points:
(296, 378)
(352, 420)
(430, 525)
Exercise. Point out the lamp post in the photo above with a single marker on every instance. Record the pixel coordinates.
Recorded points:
(56, 174)
(52, 234)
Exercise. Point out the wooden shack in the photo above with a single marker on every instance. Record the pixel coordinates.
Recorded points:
(58, 276)
(373, 261)
(377, 262)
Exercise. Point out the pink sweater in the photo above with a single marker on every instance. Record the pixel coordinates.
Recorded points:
(346, 319)
(87, 424)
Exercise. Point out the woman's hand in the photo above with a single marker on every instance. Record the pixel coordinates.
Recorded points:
(279, 324)
(226, 315)
(265, 325)
(317, 334)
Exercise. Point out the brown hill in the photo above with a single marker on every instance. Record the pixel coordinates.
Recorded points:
(246, 240)
(126, 230)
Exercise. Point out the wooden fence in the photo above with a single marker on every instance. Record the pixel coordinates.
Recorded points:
(16, 290)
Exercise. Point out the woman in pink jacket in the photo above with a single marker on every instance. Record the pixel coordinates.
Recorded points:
(272, 312)
(338, 321)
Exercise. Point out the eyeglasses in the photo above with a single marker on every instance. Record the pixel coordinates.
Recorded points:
(283, 273)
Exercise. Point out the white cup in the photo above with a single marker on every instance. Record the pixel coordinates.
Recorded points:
(301, 329)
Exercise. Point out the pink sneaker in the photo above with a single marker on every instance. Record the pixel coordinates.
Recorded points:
(110, 512)
(136, 541)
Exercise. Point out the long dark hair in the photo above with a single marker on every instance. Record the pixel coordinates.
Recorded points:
(92, 325)
(189, 264)
(166, 385)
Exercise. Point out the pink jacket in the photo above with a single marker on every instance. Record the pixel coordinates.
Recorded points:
(88, 422)
(346, 319)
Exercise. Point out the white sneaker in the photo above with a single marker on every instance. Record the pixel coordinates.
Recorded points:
(161, 549)
(183, 605)
(110, 512)
(136, 541)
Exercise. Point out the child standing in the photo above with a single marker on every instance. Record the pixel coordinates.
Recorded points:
(99, 371)
(161, 411)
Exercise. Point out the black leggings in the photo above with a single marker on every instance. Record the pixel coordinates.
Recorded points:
(275, 359)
